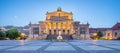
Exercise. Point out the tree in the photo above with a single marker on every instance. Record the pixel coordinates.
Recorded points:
(2, 35)
(99, 34)
(12, 33)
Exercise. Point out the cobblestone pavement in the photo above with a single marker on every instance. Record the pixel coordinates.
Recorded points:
(71, 46)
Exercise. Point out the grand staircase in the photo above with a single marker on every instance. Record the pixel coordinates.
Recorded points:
(65, 37)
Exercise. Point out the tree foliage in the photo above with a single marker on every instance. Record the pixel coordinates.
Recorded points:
(2, 34)
(12, 33)
(99, 34)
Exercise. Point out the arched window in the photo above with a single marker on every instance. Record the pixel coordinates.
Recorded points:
(115, 34)
(54, 31)
(63, 31)
(108, 34)
(68, 31)
(50, 31)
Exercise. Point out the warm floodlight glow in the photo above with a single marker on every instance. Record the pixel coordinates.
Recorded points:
(94, 34)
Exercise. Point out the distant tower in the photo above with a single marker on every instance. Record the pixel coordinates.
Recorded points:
(87, 23)
(30, 23)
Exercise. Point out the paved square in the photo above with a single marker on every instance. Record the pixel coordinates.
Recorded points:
(23, 48)
(71, 46)
(60, 44)
(10, 42)
(40, 43)
(80, 44)
(60, 48)
(115, 47)
(93, 48)
(5, 47)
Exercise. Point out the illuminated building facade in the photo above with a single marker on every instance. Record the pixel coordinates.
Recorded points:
(59, 21)
(114, 32)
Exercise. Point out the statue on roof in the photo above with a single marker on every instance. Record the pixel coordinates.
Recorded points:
(59, 9)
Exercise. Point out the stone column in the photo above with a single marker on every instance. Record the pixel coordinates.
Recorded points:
(39, 29)
(51, 28)
(46, 28)
(32, 34)
(61, 28)
(57, 28)
(65, 28)
(78, 31)
(70, 29)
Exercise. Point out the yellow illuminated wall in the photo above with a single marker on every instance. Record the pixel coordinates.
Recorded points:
(66, 24)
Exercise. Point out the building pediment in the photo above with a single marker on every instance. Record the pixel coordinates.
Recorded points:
(59, 10)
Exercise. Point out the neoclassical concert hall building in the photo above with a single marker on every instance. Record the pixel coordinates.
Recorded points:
(59, 21)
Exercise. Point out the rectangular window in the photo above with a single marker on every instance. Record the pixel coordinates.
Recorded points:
(58, 18)
(35, 30)
(82, 29)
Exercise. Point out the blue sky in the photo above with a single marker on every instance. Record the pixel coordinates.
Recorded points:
(99, 13)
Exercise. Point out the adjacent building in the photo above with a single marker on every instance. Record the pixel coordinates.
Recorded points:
(114, 33)
(22, 29)
(93, 31)
(108, 33)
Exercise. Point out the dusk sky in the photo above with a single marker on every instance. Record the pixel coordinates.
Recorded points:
(99, 13)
